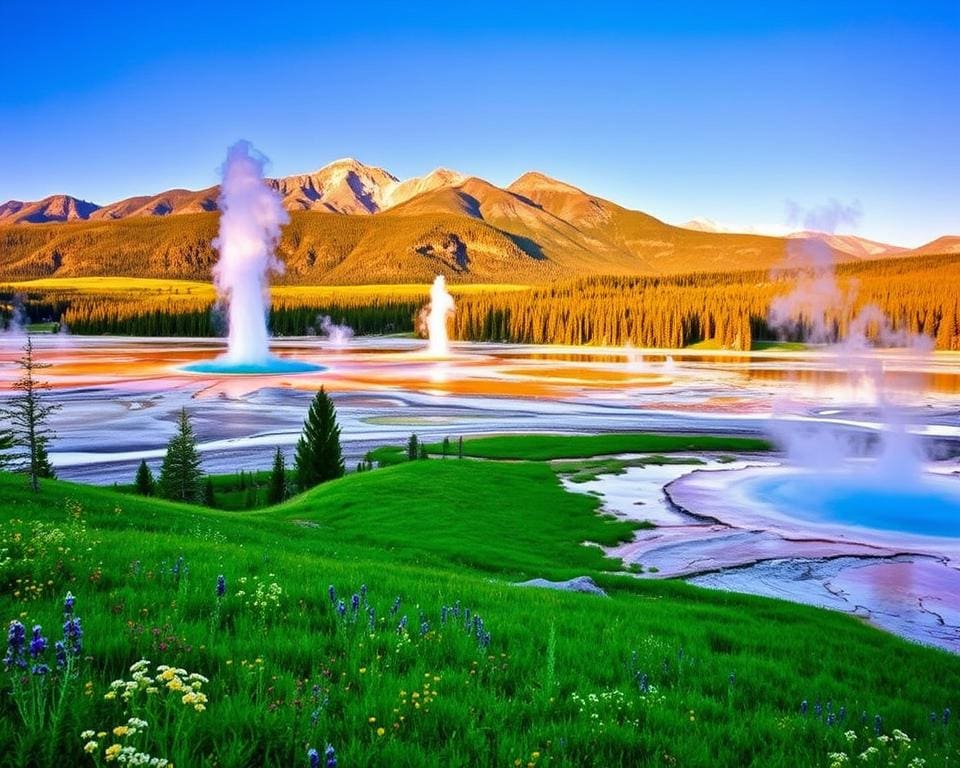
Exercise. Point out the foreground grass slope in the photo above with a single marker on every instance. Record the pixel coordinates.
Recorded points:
(657, 674)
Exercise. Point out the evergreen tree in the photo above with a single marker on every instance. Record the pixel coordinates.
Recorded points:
(319, 457)
(413, 448)
(446, 446)
(144, 483)
(423, 451)
(460, 447)
(277, 490)
(209, 496)
(180, 474)
(27, 414)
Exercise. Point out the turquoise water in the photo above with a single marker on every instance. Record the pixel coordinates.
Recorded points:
(276, 365)
(929, 507)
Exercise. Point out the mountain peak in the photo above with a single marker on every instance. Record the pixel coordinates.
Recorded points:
(49, 209)
(537, 180)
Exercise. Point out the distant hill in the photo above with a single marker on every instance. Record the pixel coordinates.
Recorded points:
(353, 223)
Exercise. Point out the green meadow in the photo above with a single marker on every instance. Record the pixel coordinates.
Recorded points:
(377, 614)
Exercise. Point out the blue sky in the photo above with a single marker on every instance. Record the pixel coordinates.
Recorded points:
(679, 109)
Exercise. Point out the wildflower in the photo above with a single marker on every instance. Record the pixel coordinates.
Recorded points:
(120, 731)
(313, 757)
(73, 635)
(371, 720)
(877, 724)
(372, 614)
(331, 756)
(38, 644)
(40, 670)
(946, 716)
(68, 602)
(899, 735)
(112, 752)
(850, 736)
(355, 603)
(16, 637)
(60, 650)
(333, 594)
(87, 734)
(341, 608)
(221, 585)
(381, 731)
(90, 747)
(395, 607)
(363, 592)
(402, 626)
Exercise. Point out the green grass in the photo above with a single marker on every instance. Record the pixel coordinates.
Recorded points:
(433, 533)
(549, 447)
(780, 346)
(585, 470)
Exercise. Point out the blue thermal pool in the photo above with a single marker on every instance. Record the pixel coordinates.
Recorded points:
(929, 506)
(273, 366)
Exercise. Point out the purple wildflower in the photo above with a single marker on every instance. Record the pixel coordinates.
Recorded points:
(16, 637)
(331, 756)
(395, 607)
(313, 757)
(221, 585)
(68, 602)
(38, 644)
(61, 653)
(333, 594)
(73, 635)
(40, 670)
(355, 603)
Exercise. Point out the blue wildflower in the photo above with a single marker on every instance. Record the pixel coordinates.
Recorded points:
(732, 679)
(946, 716)
(363, 592)
(331, 756)
(803, 707)
(313, 757)
(40, 670)
(68, 602)
(644, 684)
(16, 637)
(221, 585)
(877, 725)
(402, 626)
(333, 594)
(842, 714)
(424, 628)
(355, 603)
(73, 635)
(934, 717)
(372, 614)
(443, 614)
(38, 643)
(341, 608)
(61, 653)
(395, 607)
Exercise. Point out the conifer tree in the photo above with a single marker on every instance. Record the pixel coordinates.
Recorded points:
(209, 496)
(27, 415)
(413, 448)
(319, 457)
(144, 482)
(180, 474)
(277, 490)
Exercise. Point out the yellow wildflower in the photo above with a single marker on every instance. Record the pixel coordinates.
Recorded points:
(381, 731)
(90, 747)
(112, 751)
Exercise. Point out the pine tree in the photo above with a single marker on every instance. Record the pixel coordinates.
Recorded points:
(27, 414)
(446, 446)
(277, 490)
(180, 473)
(413, 448)
(460, 447)
(319, 457)
(144, 483)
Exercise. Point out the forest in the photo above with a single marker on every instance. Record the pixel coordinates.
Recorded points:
(918, 296)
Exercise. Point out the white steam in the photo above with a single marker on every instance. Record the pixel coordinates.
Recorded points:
(437, 313)
(251, 218)
(337, 335)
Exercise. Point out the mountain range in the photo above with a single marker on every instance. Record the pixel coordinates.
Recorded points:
(352, 222)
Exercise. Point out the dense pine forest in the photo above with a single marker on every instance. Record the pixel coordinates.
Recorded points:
(917, 295)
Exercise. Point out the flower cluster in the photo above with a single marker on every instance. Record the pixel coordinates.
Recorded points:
(172, 680)
(329, 756)
(895, 750)
(472, 623)
(610, 708)
(32, 655)
(260, 596)
(122, 751)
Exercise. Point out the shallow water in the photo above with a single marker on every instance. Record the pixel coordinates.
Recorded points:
(928, 506)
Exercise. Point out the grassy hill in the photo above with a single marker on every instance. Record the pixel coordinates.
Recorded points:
(658, 673)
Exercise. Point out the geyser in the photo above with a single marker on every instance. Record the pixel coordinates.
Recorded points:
(251, 218)
(441, 307)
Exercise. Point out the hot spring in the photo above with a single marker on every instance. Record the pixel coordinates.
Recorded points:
(926, 506)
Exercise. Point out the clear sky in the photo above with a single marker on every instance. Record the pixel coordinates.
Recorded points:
(680, 109)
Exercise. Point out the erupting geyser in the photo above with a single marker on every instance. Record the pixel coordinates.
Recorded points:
(252, 215)
(441, 307)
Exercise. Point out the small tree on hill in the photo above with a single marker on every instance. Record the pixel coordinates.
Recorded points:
(446, 446)
(26, 415)
(460, 447)
(144, 483)
(180, 474)
(413, 448)
(319, 457)
(277, 490)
